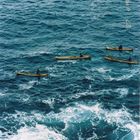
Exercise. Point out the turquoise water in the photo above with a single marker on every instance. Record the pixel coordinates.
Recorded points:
(80, 100)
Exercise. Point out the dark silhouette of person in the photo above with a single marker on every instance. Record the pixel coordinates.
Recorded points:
(130, 59)
(38, 71)
(81, 55)
(120, 47)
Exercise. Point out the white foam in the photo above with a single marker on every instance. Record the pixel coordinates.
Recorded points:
(37, 53)
(119, 78)
(77, 95)
(77, 113)
(128, 74)
(88, 77)
(135, 129)
(96, 108)
(81, 113)
(50, 101)
(122, 91)
(120, 117)
(127, 24)
(134, 72)
(127, 4)
(134, 93)
(71, 61)
(27, 85)
(56, 70)
(7, 75)
(102, 70)
(39, 132)
(94, 7)
(93, 137)
(1, 94)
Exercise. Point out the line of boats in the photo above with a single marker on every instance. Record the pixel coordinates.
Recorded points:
(84, 57)
(120, 60)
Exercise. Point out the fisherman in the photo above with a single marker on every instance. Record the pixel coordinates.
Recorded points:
(120, 47)
(130, 59)
(81, 55)
(38, 71)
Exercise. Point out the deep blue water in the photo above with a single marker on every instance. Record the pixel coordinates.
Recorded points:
(80, 100)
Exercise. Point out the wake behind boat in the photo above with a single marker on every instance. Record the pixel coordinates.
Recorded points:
(118, 49)
(31, 74)
(110, 58)
(73, 57)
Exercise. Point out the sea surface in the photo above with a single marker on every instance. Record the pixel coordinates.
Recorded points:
(79, 100)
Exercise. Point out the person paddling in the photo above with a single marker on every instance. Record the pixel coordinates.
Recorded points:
(120, 47)
(129, 59)
(81, 55)
(38, 71)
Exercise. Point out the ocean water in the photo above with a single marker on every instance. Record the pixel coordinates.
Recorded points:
(80, 100)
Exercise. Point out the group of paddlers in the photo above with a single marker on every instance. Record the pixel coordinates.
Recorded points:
(121, 48)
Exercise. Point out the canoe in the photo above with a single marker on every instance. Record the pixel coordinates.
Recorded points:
(73, 57)
(117, 49)
(110, 58)
(31, 74)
